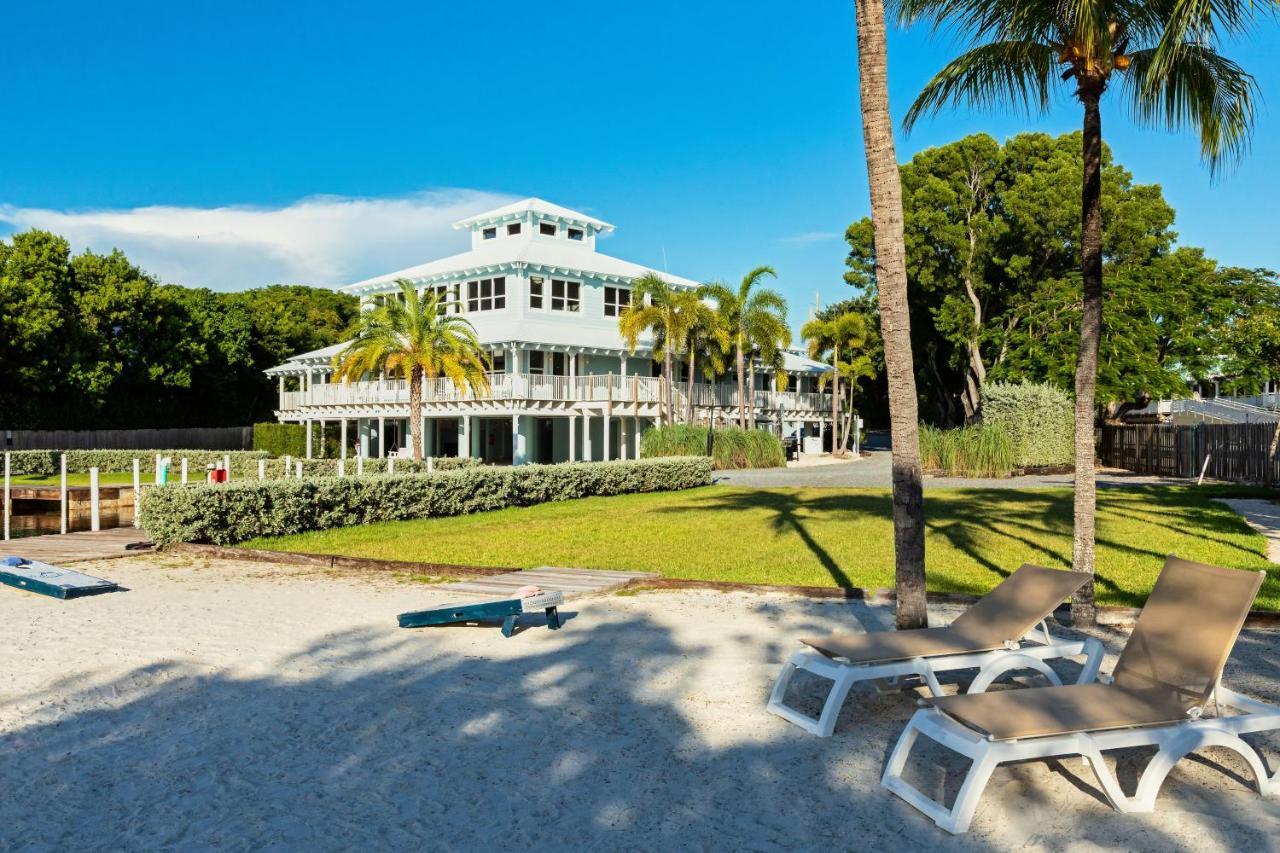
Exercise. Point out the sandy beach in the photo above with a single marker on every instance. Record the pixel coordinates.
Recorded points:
(242, 706)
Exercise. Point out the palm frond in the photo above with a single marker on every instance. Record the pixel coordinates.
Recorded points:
(1199, 89)
(988, 75)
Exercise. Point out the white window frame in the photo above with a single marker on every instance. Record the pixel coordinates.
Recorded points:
(543, 223)
(616, 305)
(541, 283)
(490, 233)
(564, 298)
(476, 304)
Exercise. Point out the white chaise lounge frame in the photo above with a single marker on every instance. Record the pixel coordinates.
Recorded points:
(1175, 742)
(888, 675)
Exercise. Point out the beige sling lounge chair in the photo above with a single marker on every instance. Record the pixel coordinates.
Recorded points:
(991, 636)
(1158, 696)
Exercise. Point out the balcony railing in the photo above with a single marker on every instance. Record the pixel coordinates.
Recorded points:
(532, 386)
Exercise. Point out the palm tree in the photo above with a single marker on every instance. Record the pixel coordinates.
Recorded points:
(757, 322)
(838, 341)
(1164, 55)
(704, 334)
(655, 308)
(895, 318)
(414, 335)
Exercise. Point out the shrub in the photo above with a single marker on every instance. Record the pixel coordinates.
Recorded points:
(731, 447)
(280, 439)
(329, 467)
(243, 510)
(45, 462)
(980, 450)
(1039, 420)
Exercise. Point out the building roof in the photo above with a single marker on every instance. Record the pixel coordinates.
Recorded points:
(794, 362)
(317, 357)
(546, 209)
(539, 256)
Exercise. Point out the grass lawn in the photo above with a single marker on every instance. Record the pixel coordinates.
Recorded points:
(827, 537)
(105, 478)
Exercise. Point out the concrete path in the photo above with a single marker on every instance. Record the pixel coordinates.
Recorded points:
(1264, 517)
(61, 548)
(874, 470)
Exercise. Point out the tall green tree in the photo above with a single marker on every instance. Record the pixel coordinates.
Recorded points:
(841, 341)
(410, 335)
(706, 337)
(1165, 56)
(756, 318)
(656, 309)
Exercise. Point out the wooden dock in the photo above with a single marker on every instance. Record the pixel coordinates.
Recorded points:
(62, 548)
(571, 582)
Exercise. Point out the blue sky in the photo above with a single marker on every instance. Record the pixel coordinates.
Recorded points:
(717, 135)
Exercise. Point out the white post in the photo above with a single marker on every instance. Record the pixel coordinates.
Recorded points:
(226, 465)
(586, 436)
(342, 467)
(431, 465)
(6, 496)
(382, 438)
(464, 446)
(635, 434)
(62, 495)
(573, 438)
(299, 464)
(184, 470)
(342, 439)
(360, 465)
(517, 442)
(137, 493)
(288, 465)
(262, 468)
(157, 469)
(95, 521)
(391, 464)
(606, 432)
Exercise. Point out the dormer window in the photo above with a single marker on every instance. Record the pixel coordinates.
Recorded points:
(575, 234)
(513, 229)
(547, 229)
(490, 233)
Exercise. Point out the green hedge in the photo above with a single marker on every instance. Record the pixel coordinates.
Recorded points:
(243, 510)
(1039, 420)
(45, 462)
(329, 467)
(280, 439)
(980, 450)
(731, 447)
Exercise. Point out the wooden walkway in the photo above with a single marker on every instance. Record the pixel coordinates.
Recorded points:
(571, 582)
(61, 548)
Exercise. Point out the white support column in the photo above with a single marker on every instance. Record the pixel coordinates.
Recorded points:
(623, 442)
(95, 508)
(517, 442)
(586, 436)
(636, 438)
(321, 422)
(342, 439)
(382, 437)
(604, 433)
(63, 494)
(428, 437)
(137, 493)
(308, 438)
(573, 438)
(464, 441)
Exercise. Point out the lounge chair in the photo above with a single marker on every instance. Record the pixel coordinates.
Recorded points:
(991, 636)
(1158, 696)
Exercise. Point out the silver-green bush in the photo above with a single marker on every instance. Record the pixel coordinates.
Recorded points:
(234, 512)
(45, 462)
(1039, 420)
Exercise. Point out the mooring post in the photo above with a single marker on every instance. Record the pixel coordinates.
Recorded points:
(184, 470)
(431, 464)
(62, 496)
(6, 496)
(391, 464)
(262, 469)
(157, 469)
(360, 465)
(288, 465)
(95, 522)
(137, 493)
(342, 467)
(226, 465)
(299, 464)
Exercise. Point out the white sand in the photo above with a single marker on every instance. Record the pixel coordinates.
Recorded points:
(241, 706)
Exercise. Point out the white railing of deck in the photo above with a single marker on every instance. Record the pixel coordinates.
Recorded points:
(531, 386)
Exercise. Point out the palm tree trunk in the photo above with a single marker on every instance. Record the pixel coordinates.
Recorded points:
(835, 400)
(1087, 361)
(895, 318)
(415, 411)
(693, 363)
(742, 393)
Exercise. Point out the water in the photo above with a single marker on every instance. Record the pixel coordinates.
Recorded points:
(29, 519)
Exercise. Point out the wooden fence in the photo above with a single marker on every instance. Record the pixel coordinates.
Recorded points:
(194, 438)
(1237, 453)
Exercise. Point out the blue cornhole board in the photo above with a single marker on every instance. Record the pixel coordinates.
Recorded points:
(42, 578)
(509, 611)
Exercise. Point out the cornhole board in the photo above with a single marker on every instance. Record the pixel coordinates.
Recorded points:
(509, 611)
(42, 578)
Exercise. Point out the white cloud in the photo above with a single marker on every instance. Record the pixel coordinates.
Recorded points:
(321, 240)
(810, 238)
